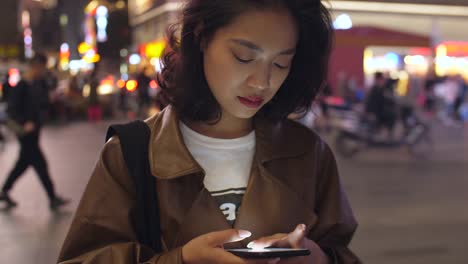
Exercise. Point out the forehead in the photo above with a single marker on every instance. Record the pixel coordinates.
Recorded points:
(270, 29)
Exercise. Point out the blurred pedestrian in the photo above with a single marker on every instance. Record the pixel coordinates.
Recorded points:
(460, 97)
(26, 107)
(223, 143)
(448, 90)
(144, 99)
(6, 87)
(4, 90)
(94, 106)
(380, 104)
(323, 121)
(428, 97)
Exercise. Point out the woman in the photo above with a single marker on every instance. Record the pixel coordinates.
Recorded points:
(230, 166)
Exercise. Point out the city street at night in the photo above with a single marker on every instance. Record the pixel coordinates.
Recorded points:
(383, 82)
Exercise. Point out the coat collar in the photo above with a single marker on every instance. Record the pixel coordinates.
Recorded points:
(272, 142)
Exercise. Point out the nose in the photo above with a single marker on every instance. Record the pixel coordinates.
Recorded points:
(261, 78)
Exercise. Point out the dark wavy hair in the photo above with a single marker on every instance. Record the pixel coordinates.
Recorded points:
(182, 80)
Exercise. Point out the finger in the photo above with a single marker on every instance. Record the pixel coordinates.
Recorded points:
(266, 241)
(226, 236)
(296, 238)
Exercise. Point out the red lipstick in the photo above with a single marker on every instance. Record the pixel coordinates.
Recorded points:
(251, 101)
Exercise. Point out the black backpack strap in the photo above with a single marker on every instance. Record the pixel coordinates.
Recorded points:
(134, 141)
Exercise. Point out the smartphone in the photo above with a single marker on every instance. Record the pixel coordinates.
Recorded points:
(269, 252)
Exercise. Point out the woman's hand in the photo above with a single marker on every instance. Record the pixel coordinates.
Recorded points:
(295, 239)
(208, 249)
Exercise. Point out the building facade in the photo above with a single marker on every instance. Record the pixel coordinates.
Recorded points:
(150, 18)
(10, 39)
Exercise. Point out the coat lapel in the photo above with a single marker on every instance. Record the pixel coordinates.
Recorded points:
(188, 210)
(203, 217)
(270, 207)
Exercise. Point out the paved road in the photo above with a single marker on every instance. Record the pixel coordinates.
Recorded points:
(410, 211)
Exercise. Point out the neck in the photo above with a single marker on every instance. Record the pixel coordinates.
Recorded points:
(226, 128)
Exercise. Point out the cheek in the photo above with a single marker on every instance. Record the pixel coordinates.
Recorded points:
(278, 80)
(220, 71)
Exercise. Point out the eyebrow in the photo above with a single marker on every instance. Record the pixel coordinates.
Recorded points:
(254, 47)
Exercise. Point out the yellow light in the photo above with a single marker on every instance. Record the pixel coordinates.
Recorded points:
(441, 51)
(155, 49)
(120, 4)
(402, 85)
(131, 85)
(86, 90)
(368, 54)
(64, 64)
(105, 89)
(84, 47)
(92, 59)
(91, 6)
(442, 61)
(416, 60)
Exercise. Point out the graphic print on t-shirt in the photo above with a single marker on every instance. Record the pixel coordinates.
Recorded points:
(229, 201)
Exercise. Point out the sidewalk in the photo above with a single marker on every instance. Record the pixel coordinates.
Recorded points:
(31, 232)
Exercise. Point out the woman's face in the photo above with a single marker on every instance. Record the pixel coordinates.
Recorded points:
(247, 61)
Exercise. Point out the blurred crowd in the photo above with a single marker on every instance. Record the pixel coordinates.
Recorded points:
(90, 95)
(435, 98)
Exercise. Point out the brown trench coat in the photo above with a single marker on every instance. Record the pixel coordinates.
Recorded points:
(294, 180)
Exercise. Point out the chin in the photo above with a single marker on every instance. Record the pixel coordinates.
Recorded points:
(241, 112)
(250, 114)
(244, 114)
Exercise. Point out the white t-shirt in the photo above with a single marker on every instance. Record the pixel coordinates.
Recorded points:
(227, 164)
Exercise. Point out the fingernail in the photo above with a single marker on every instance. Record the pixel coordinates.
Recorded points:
(243, 233)
(255, 246)
(301, 227)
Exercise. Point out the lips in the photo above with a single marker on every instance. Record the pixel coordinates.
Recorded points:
(251, 101)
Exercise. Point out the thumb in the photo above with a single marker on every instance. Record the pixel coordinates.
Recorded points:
(296, 237)
(226, 236)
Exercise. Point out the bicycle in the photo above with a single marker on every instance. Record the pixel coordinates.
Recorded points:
(360, 133)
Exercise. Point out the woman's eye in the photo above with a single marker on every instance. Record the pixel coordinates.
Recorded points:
(281, 66)
(241, 60)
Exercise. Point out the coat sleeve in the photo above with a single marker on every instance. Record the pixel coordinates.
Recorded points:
(336, 224)
(102, 230)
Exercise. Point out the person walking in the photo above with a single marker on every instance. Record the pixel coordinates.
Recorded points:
(94, 106)
(25, 107)
(144, 99)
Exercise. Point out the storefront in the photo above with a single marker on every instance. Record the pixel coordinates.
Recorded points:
(452, 58)
(361, 51)
(149, 20)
